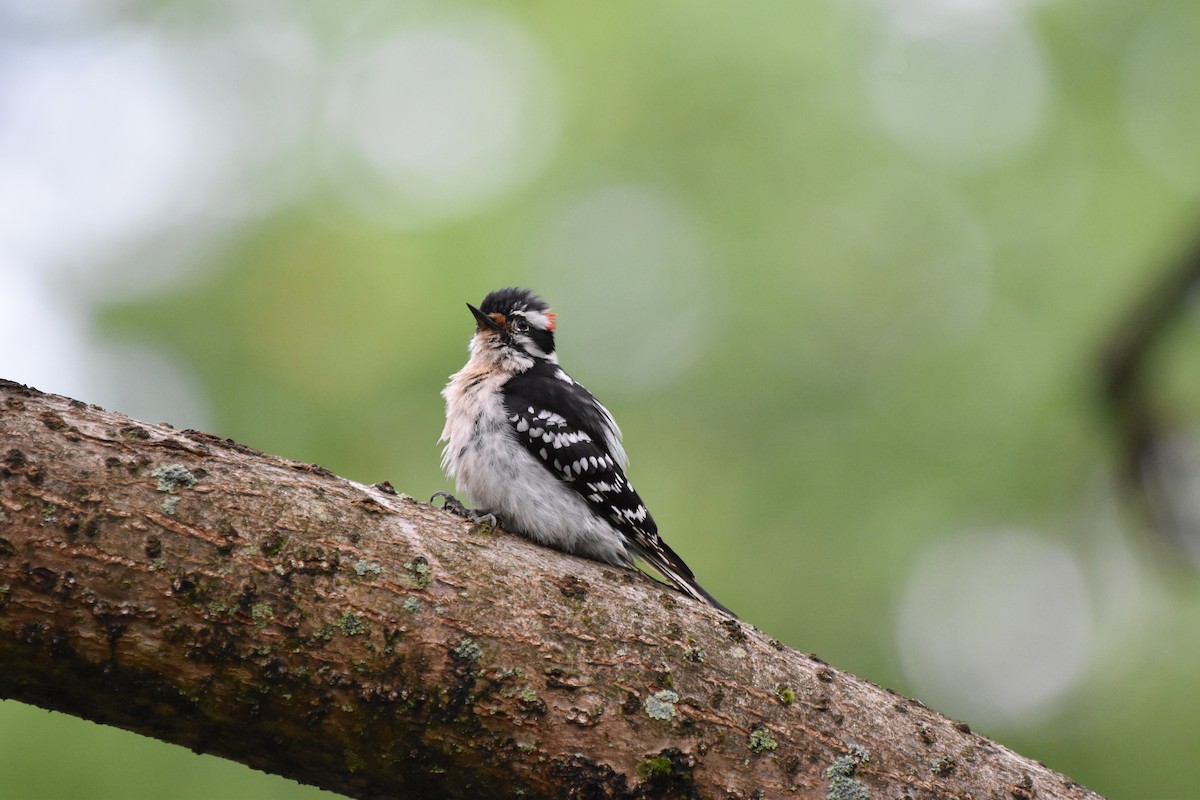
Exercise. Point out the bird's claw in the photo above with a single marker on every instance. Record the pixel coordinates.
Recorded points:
(454, 506)
(451, 504)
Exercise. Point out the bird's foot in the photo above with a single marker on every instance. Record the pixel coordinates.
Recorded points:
(455, 507)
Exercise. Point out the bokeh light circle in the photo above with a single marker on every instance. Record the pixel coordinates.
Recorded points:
(627, 267)
(995, 626)
(960, 84)
(439, 118)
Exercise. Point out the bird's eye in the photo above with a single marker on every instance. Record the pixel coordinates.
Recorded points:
(519, 325)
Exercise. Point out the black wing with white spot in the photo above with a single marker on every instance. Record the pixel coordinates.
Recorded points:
(575, 437)
(570, 436)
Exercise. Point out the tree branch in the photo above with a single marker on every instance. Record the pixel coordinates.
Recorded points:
(195, 590)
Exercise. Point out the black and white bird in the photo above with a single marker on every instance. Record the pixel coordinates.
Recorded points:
(537, 452)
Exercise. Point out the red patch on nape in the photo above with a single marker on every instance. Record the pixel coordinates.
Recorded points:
(550, 315)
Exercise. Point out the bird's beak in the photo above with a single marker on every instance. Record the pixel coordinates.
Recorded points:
(485, 322)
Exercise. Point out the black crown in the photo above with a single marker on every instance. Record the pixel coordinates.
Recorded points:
(506, 301)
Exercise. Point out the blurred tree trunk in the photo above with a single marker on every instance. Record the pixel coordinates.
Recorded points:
(1152, 459)
(198, 591)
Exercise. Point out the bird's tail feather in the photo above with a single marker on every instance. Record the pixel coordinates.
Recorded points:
(665, 562)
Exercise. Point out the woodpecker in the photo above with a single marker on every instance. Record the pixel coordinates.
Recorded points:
(538, 453)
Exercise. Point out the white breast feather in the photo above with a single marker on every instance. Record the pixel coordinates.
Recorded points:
(499, 475)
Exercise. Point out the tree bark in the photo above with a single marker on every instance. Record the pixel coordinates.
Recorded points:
(195, 590)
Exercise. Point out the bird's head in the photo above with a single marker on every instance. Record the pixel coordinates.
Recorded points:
(513, 326)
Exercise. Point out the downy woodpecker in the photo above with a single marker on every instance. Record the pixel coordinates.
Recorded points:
(538, 453)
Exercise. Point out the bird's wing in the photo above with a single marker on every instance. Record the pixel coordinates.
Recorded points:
(565, 428)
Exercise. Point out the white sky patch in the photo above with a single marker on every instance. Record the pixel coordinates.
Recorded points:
(61, 14)
(148, 144)
(114, 154)
(44, 343)
(41, 338)
(96, 142)
(146, 383)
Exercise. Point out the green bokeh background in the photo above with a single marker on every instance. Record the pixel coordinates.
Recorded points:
(835, 333)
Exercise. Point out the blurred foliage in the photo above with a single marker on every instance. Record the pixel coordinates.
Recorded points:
(887, 344)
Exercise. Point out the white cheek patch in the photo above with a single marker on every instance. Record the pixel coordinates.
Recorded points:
(540, 319)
